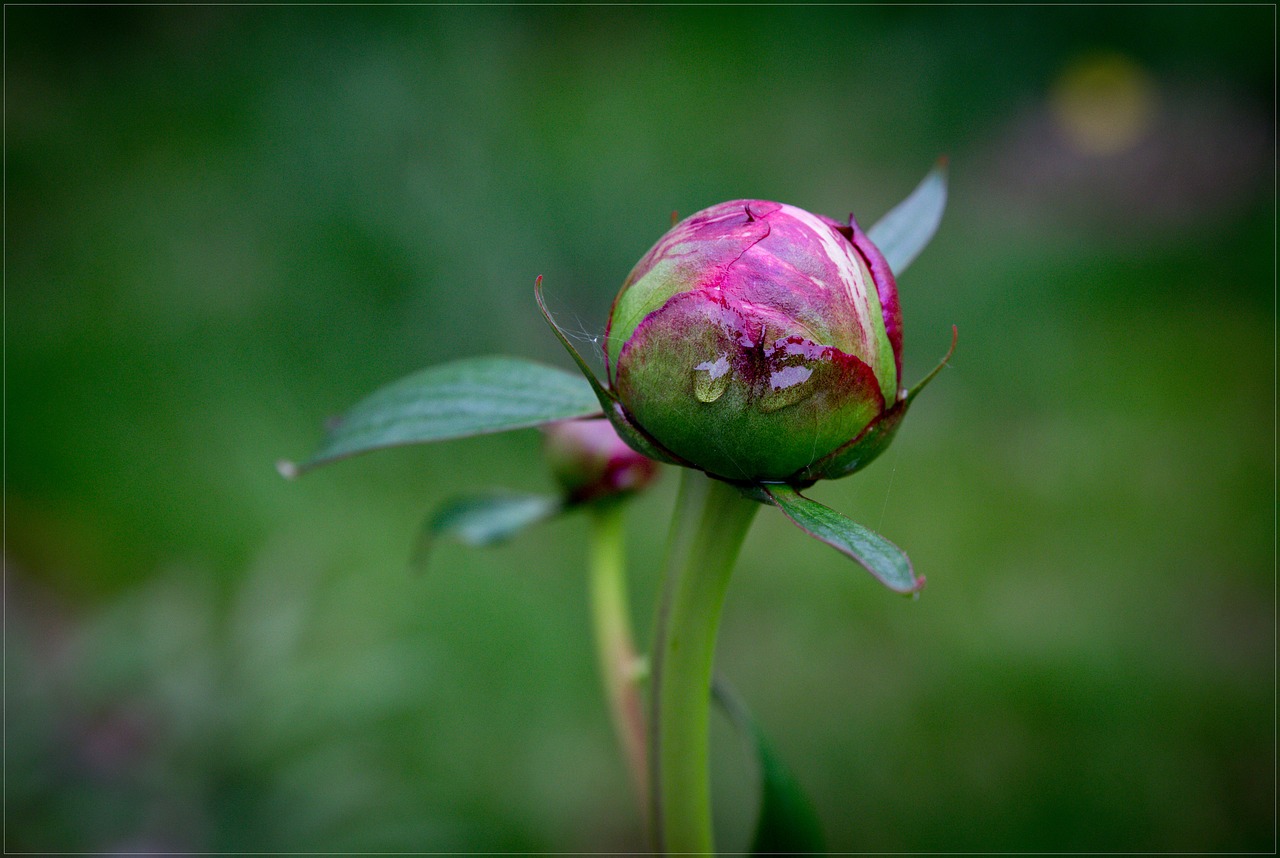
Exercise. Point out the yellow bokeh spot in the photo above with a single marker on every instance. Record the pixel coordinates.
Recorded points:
(1103, 104)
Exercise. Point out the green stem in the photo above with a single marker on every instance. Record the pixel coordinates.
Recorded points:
(614, 645)
(711, 520)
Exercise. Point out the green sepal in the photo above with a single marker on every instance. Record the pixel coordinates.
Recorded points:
(887, 562)
(933, 373)
(861, 451)
(474, 396)
(787, 822)
(626, 428)
(603, 394)
(875, 439)
(910, 225)
(637, 439)
(483, 519)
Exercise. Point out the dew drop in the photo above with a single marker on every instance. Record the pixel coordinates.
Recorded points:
(789, 376)
(786, 387)
(711, 379)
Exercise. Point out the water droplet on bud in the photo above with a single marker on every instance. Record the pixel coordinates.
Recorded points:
(788, 377)
(711, 379)
(786, 387)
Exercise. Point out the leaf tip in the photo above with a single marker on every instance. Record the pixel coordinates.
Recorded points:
(542, 303)
(955, 338)
(603, 395)
(945, 362)
(287, 469)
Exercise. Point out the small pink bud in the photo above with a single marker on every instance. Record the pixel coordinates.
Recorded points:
(592, 463)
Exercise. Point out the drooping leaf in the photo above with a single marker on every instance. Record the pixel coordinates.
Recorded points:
(886, 561)
(484, 519)
(787, 822)
(475, 396)
(909, 226)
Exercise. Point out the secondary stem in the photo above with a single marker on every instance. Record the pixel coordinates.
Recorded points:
(614, 646)
(711, 520)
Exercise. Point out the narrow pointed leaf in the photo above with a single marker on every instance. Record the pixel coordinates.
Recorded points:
(920, 385)
(484, 519)
(787, 822)
(603, 395)
(634, 437)
(475, 396)
(886, 561)
(909, 226)
(875, 439)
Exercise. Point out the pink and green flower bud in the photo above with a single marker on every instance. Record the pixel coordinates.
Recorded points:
(591, 463)
(758, 342)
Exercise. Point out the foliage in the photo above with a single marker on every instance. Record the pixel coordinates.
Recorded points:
(223, 221)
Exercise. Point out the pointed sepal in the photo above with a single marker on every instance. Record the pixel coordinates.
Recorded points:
(862, 450)
(887, 562)
(623, 424)
(875, 439)
(933, 373)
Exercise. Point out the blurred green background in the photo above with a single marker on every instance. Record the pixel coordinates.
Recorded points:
(224, 224)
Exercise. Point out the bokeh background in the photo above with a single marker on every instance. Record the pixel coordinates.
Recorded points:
(224, 224)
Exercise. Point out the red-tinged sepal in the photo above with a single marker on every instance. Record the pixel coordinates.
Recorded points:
(859, 452)
(875, 439)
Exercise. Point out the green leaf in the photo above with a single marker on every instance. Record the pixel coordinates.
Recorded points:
(787, 822)
(484, 519)
(468, 397)
(909, 226)
(886, 561)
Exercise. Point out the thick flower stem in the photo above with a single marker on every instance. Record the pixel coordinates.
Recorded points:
(615, 648)
(711, 520)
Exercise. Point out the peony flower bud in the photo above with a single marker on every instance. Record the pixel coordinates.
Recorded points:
(591, 463)
(760, 343)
